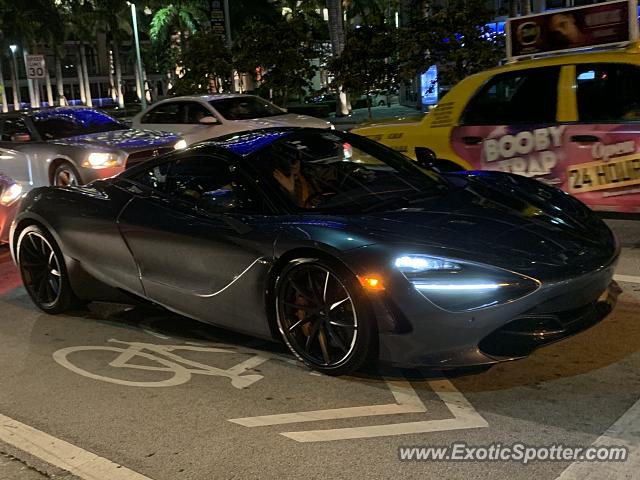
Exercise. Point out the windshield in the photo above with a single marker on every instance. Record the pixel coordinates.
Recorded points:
(245, 107)
(71, 122)
(341, 173)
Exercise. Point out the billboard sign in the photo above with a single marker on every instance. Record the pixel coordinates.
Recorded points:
(429, 86)
(596, 25)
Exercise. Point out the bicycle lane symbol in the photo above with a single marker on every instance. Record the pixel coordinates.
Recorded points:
(182, 368)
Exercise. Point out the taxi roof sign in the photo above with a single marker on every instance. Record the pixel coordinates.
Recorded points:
(601, 25)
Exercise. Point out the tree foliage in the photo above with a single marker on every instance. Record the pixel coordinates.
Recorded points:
(278, 54)
(205, 63)
(368, 61)
(455, 37)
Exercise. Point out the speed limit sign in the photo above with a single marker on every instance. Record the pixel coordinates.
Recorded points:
(35, 66)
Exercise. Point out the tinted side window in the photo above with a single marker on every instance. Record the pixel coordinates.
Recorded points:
(167, 113)
(204, 182)
(13, 127)
(194, 112)
(608, 93)
(154, 178)
(526, 96)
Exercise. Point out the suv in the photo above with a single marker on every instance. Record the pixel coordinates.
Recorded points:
(572, 121)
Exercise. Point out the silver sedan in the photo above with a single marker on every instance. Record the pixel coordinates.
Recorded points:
(73, 145)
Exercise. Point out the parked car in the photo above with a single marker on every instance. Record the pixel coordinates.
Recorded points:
(569, 120)
(381, 98)
(340, 247)
(73, 145)
(204, 117)
(328, 99)
(10, 193)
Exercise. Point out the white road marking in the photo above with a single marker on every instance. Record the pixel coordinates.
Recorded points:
(406, 397)
(59, 453)
(624, 432)
(464, 416)
(181, 368)
(627, 278)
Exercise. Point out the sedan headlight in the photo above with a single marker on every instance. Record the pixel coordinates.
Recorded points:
(180, 144)
(11, 194)
(102, 160)
(456, 285)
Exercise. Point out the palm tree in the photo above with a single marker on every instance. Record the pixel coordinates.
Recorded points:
(182, 17)
(336, 35)
(3, 92)
(113, 19)
(81, 25)
(19, 26)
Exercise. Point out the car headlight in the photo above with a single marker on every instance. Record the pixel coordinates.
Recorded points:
(456, 285)
(180, 144)
(102, 160)
(11, 194)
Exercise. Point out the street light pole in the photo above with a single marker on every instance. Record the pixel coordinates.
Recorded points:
(14, 78)
(134, 19)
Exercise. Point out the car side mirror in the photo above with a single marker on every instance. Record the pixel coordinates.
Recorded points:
(208, 120)
(20, 137)
(426, 158)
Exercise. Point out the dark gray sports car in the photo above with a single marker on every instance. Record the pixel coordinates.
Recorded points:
(339, 246)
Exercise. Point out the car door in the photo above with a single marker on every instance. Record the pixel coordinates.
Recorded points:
(603, 147)
(194, 230)
(15, 139)
(511, 125)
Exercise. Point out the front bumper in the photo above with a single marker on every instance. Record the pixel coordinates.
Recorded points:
(416, 333)
(532, 330)
(7, 215)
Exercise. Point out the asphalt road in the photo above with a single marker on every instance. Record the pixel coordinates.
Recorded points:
(198, 402)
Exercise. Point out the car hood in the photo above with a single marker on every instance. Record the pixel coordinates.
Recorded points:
(503, 220)
(287, 120)
(129, 139)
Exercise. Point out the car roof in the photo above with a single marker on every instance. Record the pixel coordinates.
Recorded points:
(247, 143)
(628, 55)
(44, 110)
(206, 98)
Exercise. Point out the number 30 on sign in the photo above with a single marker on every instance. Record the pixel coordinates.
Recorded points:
(35, 66)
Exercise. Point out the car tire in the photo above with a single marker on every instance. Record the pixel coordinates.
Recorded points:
(65, 175)
(381, 103)
(323, 316)
(43, 271)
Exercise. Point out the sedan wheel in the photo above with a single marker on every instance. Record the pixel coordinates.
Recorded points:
(43, 272)
(321, 316)
(66, 176)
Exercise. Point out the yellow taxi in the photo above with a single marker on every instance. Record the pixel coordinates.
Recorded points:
(571, 120)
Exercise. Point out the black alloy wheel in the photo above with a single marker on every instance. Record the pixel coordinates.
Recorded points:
(43, 272)
(322, 316)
